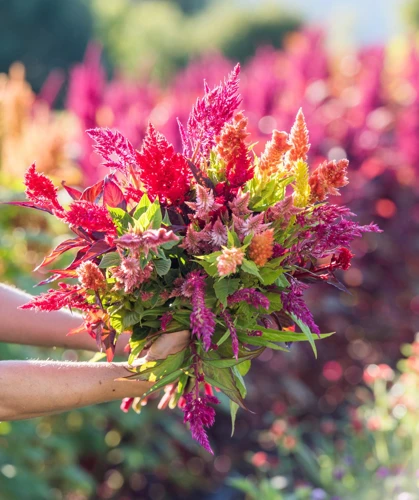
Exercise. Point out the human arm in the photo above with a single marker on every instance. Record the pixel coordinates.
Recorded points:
(36, 388)
(44, 329)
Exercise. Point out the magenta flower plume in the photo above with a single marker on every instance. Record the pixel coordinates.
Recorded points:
(116, 151)
(41, 191)
(228, 320)
(200, 415)
(202, 318)
(165, 320)
(249, 295)
(209, 115)
(165, 174)
(293, 303)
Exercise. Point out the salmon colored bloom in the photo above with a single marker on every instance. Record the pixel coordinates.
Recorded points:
(228, 261)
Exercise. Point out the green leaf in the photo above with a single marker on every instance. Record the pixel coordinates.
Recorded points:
(250, 267)
(239, 381)
(269, 276)
(142, 206)
(233, 412)
(98, 356)
(224, 338)
(232, 239)
(168, 379)
(225, 287)
(210, 268)
(162, 266)
(116, 321)
(275, 302)
(110, 260)
(157, 369)
(245, 366)
(211, 258)
(282, 281)
(229, 362)
(180, 389)
(247, 240)
(223, 379)
(166, 220)
(136, 348)
(130, 319)
(307, 332)
(120, 218)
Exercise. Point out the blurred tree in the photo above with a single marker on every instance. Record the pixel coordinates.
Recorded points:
(157, 37)
(43, 34)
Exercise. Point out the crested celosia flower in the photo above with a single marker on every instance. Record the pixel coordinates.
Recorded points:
(228, 320)
(261, 247)
(293, 302)
(274, 153)
(116, 151)
(199, 415)
(202, 318)
(90, 217)
(343, 259)
(90, 276)
(228, 261)
(66, 296)
(327, 178)
(164, 173)
(298, 139)
(41, 191)
(250, 295)
(208, 117)
(129, 274)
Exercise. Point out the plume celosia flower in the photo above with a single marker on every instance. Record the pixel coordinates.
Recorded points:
(293, 302)
(165, 320)
(228, 320)
(218, 235)
(327, 178)
(274, 153)
(116, 151)
(299, 141)
(199, 415)
(66, 296)
(253, 224)
(202, 318)
(228, 261)
(90, 217)
(129, 274)
(165, 174)
(41, 191)
(240, 204)
(250, 296)
(208, 117)
(90, 276)
(146, 241)
(261, 247)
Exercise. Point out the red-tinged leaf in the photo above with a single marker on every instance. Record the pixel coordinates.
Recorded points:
(112, 195)
(108, 342)
(76, 330)
(93, 193)
(98, 248)
(60, 249)
(74, 193)
(27, 204)
(48, 280)
(58, 274)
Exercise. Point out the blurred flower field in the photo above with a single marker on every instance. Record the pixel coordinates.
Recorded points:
(331, 428)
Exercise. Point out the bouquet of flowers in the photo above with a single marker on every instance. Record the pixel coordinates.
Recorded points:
(214, 240)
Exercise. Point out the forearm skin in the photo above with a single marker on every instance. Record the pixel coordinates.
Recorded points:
(38, 388)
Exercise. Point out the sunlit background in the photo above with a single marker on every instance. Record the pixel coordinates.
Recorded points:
(343, 425)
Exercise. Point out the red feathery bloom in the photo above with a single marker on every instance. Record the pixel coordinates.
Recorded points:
(165, 174)
(261, 247)
(343, 261)
(132, 193)
(208, 117)
(66, 296)
(199, 415)
(165, 320)
(116, 151)
(41, 191)
(90, 276)
(274, 153)
(90, 217)
(327, 178)
(299, 140)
